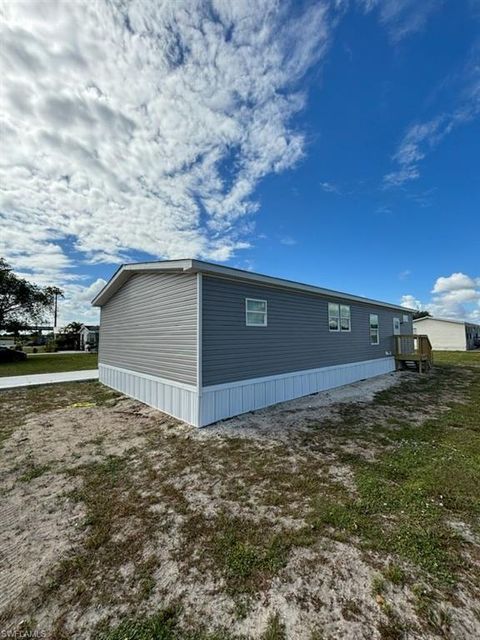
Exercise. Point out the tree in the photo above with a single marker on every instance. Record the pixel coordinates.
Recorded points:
(73, 327)
(56, 293)
(421, 314)
(22, 303)
(69, 337)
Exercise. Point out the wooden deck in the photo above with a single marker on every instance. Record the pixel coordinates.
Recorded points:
(413, 350)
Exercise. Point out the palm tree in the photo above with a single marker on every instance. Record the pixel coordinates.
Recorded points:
(55, 292)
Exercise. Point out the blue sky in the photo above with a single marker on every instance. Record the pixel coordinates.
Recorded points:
(330, 142)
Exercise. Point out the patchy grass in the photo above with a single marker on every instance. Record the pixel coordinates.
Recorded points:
(50, 363)
(112, 503)
(244, 551)
(395, 574)
(16, 405)
(34, 471)
(230, 514)
(405, 497)
(165, 625)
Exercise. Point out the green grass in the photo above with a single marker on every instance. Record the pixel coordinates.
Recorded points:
(109, 496)
(406, 495)
(16, 405)
(34, 471)
(50, 363)
(165, 625)
(469, 358)
(423, 474)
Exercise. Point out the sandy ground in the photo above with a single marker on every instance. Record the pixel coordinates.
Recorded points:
(39, 523)
(279, 421)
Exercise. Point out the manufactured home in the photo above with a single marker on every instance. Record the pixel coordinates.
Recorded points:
(204, 342)
(88, 335)
(449, 335)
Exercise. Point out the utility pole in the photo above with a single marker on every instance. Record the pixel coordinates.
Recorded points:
(56, 292)
(55, 310)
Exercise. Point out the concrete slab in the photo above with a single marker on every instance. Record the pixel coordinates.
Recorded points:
(10, 382)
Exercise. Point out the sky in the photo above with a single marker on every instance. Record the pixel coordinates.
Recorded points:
(333, 142)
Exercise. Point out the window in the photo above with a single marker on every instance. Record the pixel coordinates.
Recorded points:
(333, 317)
(396, 326)
(406, 318)
(345, 321)
(255, 312)
(374, 331)
(339, 317)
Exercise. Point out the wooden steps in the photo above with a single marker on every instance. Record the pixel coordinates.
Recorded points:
(413, 352)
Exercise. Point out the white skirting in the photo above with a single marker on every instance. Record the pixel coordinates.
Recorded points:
(227, 400)
(176, 399)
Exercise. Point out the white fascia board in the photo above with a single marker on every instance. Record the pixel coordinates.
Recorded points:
(125, 271)
(208, 268)
(257, 278)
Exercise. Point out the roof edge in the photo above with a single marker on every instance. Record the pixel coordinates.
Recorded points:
(452, 320)
(123, 273)
(198, 266)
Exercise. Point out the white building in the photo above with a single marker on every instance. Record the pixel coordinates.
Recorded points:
(449, 335)
(89, 337)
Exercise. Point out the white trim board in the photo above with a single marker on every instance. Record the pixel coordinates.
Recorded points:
(223, 401)
(201, 407)
(175, 398)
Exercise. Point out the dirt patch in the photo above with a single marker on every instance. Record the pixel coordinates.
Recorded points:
(40, 523)
(280, 421)
(116, 509)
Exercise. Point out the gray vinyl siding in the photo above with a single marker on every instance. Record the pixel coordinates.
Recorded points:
(150, 326)
(297, 336)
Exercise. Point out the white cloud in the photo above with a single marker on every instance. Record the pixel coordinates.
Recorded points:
(454, 282)
(402, 18)
(403, 275)
(146, 126)
(422, 137)
(411, 302)
(76, 304)
(288, 241)
(88, 293)
(329, 187)
(455, 296)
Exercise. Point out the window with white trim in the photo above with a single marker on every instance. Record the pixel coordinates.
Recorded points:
(339, 317)
(255, 312)
(374, 329)
(345, 318)
(406, 319)
(396, 327)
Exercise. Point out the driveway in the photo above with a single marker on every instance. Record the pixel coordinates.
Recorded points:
(8, 382)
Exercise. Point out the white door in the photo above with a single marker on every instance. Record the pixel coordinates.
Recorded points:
(396, 326)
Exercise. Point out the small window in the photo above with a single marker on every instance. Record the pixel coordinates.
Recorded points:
(339, 317)
(333, 317)
(345, 320)
(396, 327)
(374, 330)
(406, 319)
(256, 312)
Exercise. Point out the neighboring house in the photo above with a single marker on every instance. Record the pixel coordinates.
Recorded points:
(88, 337)
(449, 335)
(203, 342)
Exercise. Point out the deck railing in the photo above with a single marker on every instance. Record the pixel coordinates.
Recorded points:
(414, 347)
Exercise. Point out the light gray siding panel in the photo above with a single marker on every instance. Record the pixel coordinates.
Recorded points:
(150, 326)
(296, 338)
